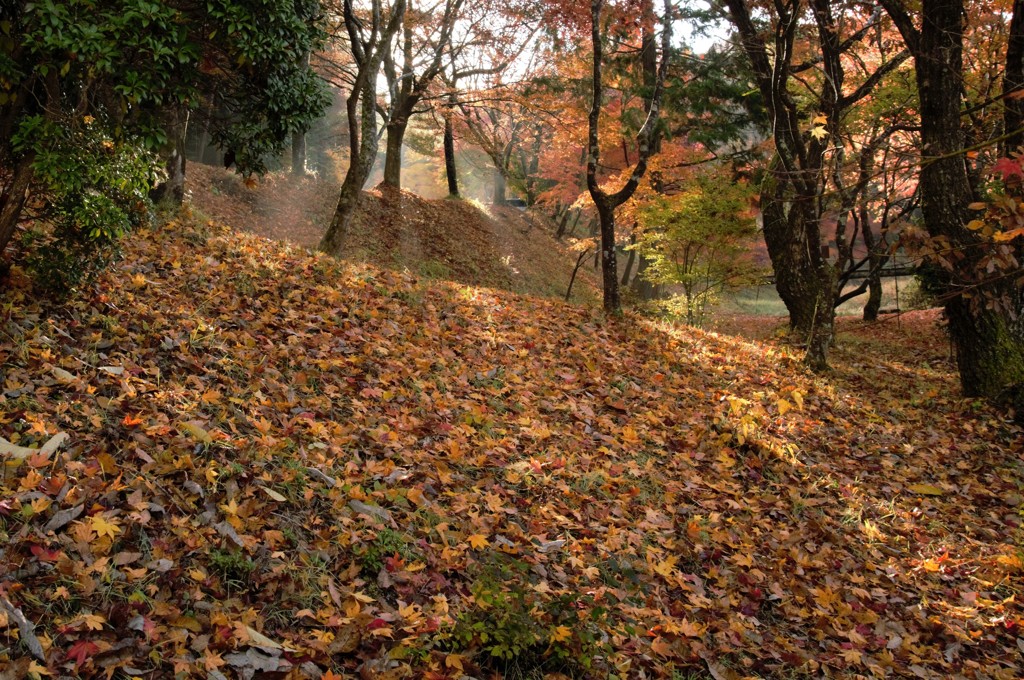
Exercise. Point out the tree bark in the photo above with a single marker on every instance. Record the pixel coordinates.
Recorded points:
(1013, 81)
(630, 259)
(393, 153)
(333, 240)
(989, 346)
(450, 170)
(299, 154)
(12, 200)
(642, 287)
(171, 191)
(500, 185)
(361, 106)
(990, 349)
(612, 301)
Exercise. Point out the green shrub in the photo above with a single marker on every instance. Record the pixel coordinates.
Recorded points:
(97, 189)
(519, 631)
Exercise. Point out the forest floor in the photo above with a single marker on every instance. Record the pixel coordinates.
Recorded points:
(279, 464)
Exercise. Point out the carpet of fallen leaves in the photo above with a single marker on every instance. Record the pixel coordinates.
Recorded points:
(281, 466)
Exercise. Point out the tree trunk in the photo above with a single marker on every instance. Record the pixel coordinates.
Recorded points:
(609, 265)
(874, 302)
(393, 153)
(450, 170)
(806, 281)
(358, 172)
(643, 288)
(299, 154)
(789, 250)
(12, 200)
(630, 259)
(575, 270)
(499, 188)
(171, 191)
(333, 240)
(989, 347)
(822, 331)
(1013, 80)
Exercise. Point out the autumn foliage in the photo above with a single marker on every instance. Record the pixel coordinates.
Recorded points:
(279, 465)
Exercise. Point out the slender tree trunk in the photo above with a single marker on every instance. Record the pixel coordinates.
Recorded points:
(575, 270)
(647, 143)
(393, 153)
(12, 200)
(876, 260)
(563, 223)
(630, 259)
(171, 191)
(299, 154)
(450, 170)
(609, 264)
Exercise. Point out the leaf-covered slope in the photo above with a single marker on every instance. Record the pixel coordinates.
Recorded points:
(277, 463)
(498, 247)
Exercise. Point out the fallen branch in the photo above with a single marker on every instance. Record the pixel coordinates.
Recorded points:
(23, 452)
(26, 630)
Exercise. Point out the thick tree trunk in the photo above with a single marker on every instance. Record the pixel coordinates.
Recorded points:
(805, 281)
(393, 153)
(450, 171)
(171, 191)
(874, 301)
(12, 200)
(333, 240)
(989, 347)
(642, 287)
(500, 185)
(360, 165)
(789, 252)
(299, 154)
(1013, 80)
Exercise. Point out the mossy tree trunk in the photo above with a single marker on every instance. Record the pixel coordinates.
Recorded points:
(989, 343)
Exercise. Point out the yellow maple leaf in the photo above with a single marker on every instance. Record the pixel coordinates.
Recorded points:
(479, 541)
(560, 634)
(666, 566)
(94, 621)
(852, 656)
(103, 527)
(36, 668)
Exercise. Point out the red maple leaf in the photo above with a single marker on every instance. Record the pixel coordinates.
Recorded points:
(1007, 168)
(82, 651)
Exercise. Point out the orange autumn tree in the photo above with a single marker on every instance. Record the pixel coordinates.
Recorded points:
(606, 200)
